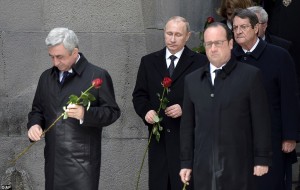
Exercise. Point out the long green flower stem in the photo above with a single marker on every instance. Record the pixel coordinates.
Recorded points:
(160, 105)
(147, 148)
(44, 132)
(77, 102)
(28, 147)
(141, 167)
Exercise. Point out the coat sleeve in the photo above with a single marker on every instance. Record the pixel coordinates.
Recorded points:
(141, 100)
(187, 126)
(106, 111)
(261, 122)
(35, 116)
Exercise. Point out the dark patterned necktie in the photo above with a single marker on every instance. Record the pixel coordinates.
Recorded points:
(65, 75)
(217, 72)
(172, 66)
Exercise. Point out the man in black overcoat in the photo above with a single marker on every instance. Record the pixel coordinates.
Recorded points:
(164, 164)
(279, 77)
(263, 33)
(225, 131)
(73, 146)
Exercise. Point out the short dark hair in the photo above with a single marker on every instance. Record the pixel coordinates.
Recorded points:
(227, 30)
(246, 13)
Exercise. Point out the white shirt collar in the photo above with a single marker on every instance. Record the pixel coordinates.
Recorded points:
(178, 54)
(213, 68)
(168, 54)
(253, 48)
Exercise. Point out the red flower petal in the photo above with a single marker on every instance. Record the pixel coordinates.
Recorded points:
(97, 83)
(167, 82)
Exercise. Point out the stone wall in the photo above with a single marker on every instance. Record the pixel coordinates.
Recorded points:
(113, 34)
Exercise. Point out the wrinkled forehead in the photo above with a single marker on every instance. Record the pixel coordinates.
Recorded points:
(239, 21)
(176, 24)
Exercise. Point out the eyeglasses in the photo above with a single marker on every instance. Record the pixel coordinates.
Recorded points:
(217, 43)
(243, 27)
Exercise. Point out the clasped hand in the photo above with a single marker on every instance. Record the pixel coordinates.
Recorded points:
(173, 111)
(73, 111)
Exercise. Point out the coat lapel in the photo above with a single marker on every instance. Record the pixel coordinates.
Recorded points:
(184, 62)
(160, 63)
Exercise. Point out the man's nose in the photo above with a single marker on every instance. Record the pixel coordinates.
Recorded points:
(173, 38)
(55, 61)
(213, 47)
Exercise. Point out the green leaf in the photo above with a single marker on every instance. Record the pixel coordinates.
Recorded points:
(156, 119)
(164, 103)
(163, 106)
(157, 136)
(158, 95)
(154, 130)
(84, 96)
(72, 99)
(85, 102)
(91, 97)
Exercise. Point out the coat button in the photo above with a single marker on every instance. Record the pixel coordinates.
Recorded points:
(168, 130)
(212, 95)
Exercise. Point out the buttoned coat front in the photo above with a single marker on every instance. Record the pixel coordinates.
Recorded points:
(163, 155)
(73, 150)
(225, 128)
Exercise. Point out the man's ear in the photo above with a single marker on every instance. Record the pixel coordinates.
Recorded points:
(188, 36)
(75, 51)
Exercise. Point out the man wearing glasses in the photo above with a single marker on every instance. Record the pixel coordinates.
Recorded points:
(279, 77)
(225, 131)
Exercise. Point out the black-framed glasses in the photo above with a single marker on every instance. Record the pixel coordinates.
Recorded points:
(217, 43)
(243, 27)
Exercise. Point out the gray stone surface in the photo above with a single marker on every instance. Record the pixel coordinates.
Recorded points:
(113, 34)
(16, 179)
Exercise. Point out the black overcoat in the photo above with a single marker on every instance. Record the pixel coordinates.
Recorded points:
(225, 129)
(163, 155)
(279, 77)
(73, 151)
(275, 40)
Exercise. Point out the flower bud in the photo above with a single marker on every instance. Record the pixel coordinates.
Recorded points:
(167, 82)
(210, 20)
(97, 83)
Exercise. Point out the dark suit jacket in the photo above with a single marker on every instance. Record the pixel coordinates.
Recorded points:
(226, 128)
(279, 77)
(163, 155)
